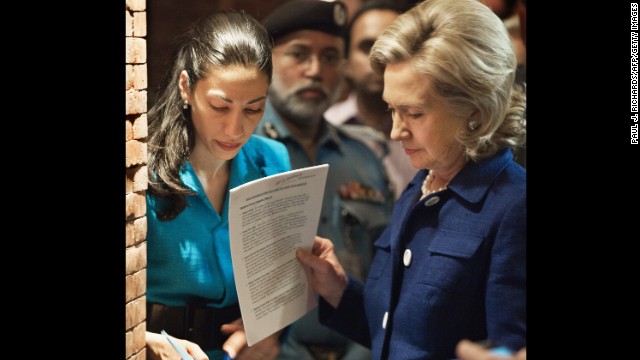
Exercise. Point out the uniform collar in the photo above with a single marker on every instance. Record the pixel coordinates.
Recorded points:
(273, 126)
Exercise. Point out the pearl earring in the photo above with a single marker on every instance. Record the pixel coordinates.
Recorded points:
(185, 105)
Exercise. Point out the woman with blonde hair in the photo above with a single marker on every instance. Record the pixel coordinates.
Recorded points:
(451, 264)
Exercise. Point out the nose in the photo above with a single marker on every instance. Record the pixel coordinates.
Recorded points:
(234, 127)
(399, 130)
(313, 66)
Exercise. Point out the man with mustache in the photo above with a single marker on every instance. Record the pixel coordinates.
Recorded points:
(308, 53)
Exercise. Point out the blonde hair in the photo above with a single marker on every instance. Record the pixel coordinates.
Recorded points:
(466, 51)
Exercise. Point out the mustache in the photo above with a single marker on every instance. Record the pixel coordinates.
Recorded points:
(310, 87)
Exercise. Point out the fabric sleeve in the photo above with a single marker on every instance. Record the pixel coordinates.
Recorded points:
(349, 318)
(506, 286)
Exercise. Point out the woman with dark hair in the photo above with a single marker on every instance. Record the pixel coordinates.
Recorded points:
(201, 144)
(451, 264)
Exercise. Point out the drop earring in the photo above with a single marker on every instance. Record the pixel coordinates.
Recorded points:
(185, 106)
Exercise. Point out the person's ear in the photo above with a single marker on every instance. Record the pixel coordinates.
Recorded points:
(183, 85)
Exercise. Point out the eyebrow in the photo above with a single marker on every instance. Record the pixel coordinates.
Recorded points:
(385, 100)
(403, 106)
(257, 100)
(230, 101)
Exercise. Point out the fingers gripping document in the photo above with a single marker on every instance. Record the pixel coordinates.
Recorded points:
(269, 219)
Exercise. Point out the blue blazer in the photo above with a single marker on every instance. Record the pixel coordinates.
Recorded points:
(448, 267)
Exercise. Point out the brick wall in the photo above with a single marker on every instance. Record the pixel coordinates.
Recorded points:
(136, 177)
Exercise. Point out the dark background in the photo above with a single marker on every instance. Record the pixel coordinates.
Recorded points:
(64, 292)
(167, 19)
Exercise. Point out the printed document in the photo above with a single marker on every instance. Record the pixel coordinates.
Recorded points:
(269, 219)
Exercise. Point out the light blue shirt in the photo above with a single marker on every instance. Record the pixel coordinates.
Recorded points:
(190, 255)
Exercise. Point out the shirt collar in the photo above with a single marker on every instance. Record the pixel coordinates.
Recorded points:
(474, 180)
(245, 166)
(189, 177)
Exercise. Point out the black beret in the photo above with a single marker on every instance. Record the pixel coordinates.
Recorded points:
(326, 16)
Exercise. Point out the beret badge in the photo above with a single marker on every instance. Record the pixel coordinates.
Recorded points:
(339, 15)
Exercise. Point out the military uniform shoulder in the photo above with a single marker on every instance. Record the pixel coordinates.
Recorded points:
(359, 131)
(373, 138)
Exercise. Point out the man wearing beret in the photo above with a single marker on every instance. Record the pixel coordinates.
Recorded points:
(308, 53)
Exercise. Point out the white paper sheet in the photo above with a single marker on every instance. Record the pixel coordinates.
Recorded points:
(269, 219)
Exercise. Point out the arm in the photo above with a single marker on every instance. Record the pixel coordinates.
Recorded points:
(159, 348)
(341, 306)
(506, 283)
(349, 318)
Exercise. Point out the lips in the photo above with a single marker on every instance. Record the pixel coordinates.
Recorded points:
(410, 151)
(311, 94)
(228, 146)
